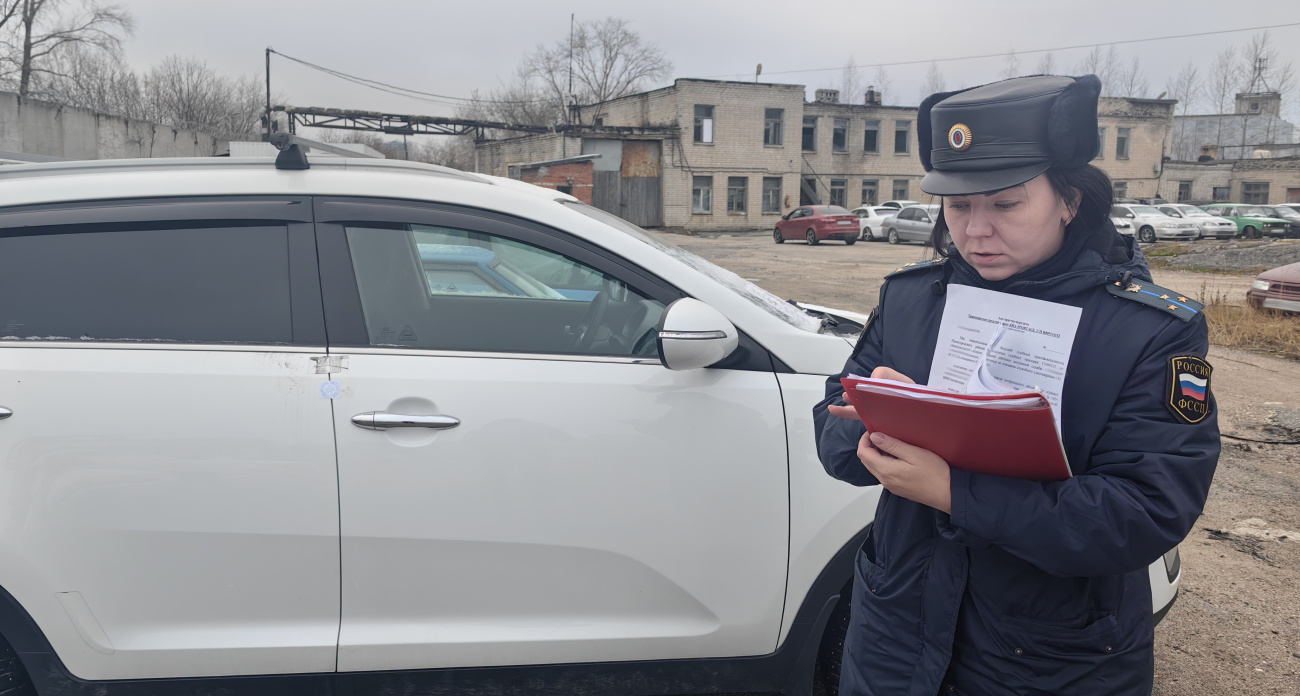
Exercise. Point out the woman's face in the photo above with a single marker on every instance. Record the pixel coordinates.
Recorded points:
(1001, 234)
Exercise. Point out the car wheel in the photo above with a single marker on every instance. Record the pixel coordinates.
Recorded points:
(811, 236)
(851, 241)
(893, 236)
(1147, 234)
(777, 236)
(13, 675)
(1250, 232)
(830, 657)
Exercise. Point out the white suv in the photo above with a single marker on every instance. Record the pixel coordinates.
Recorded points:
(383, 427)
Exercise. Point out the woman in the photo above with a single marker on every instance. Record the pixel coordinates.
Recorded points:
(978, 584)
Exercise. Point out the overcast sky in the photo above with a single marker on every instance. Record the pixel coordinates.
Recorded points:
(452, 48)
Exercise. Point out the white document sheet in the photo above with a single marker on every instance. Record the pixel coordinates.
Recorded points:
(991, 341)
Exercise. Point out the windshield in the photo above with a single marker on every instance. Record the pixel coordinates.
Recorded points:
(1251, 212)
(1146, 210)
(767, 301)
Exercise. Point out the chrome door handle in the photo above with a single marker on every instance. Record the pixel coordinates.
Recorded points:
(5, 413)
(379, 420)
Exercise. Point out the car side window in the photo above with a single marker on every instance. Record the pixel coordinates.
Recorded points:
(442, 288)
(226, 284)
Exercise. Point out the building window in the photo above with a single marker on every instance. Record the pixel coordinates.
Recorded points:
(1101, 143)
(1184, 191)
(808, 191)
(771, 194)
(773, 126)
(736, 194)
(1221, 194)
(870, 191)
(840, 136)
(900, 189)
(1121, 142)
(1254, 192)
(840, 192)
(1120, 188)
(810, 133)
(703, 123)
(702, 195)
(871, 137)
(902, 129)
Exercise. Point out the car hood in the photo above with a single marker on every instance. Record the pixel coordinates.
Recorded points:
(1289, 273)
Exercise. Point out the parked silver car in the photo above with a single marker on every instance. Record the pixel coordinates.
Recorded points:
(1209, 225)
(912, 224)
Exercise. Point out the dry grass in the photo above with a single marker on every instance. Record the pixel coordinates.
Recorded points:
(1239, 326)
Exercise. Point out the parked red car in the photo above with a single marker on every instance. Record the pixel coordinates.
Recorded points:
(817, 223)
(1276, 289)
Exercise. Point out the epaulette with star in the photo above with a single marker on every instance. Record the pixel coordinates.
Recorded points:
(909, 267)
(1153, 295)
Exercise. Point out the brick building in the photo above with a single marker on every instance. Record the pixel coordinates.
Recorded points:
(709, 154)
(1263, 181)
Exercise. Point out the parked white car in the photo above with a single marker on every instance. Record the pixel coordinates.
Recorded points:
(871, 220)
(1123, 226)
(1151, 224)
(400, 428)
(899, 205)
(1207, 225)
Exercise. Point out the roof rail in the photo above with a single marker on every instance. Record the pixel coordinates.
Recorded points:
(23, 157)
(292, 156)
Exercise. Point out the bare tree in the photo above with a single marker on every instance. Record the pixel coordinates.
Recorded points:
(883, 84)
(1187, 89)
(1103, 64)
(46, 27)
(1046, 64)
(1130, 81)
(186, 93)
(851, 84)
(1221, 90)
(934, 81)
(91, 80)
(456, 152)
(1010, 65)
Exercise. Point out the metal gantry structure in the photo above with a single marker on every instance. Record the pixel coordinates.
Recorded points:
(407, 124)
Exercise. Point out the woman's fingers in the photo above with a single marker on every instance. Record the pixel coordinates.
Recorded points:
(883, 372)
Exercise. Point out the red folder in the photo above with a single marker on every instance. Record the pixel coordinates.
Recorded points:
(1001, 434)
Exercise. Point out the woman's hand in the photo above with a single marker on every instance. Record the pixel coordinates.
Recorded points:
(879, 373)
(908, 471)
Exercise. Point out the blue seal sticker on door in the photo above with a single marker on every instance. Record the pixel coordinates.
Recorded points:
(330, 390)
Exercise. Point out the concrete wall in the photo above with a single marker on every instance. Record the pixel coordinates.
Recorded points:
(1281, 174)
(496, 157)
(39, 128)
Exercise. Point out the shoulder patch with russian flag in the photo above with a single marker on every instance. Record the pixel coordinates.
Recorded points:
(1189, 388)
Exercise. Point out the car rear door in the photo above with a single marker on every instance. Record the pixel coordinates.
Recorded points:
(557, 495)
(168, 465)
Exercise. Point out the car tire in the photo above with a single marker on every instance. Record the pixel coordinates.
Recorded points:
(830, 656)
(1250, 232)
(13, 675)
(850, 241)
(777, 236)
(1147, 234)
(893, 236)
(811, 236)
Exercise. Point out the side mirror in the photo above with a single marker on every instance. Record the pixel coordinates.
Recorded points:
(693, 334)
(1129, 215)
(926, 219)
(786, 216)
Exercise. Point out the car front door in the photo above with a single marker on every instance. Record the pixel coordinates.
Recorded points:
(521, 480)
(168, 466)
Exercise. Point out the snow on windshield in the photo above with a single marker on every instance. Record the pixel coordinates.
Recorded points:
(771, 303)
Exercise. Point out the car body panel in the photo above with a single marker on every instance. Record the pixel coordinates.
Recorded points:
(1277, 289)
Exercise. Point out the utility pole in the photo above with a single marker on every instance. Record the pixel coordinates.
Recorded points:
(268, 92)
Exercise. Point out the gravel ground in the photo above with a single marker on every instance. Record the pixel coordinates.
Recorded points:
(1235, 628)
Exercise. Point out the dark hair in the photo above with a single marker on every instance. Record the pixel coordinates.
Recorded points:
(1096, 196)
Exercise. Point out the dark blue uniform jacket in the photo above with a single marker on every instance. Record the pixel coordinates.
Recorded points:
(1029, 587)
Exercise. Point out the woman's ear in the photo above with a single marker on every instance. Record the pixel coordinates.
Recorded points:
(1072, 205)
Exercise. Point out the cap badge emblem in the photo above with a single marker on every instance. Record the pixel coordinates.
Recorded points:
(959, 137)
